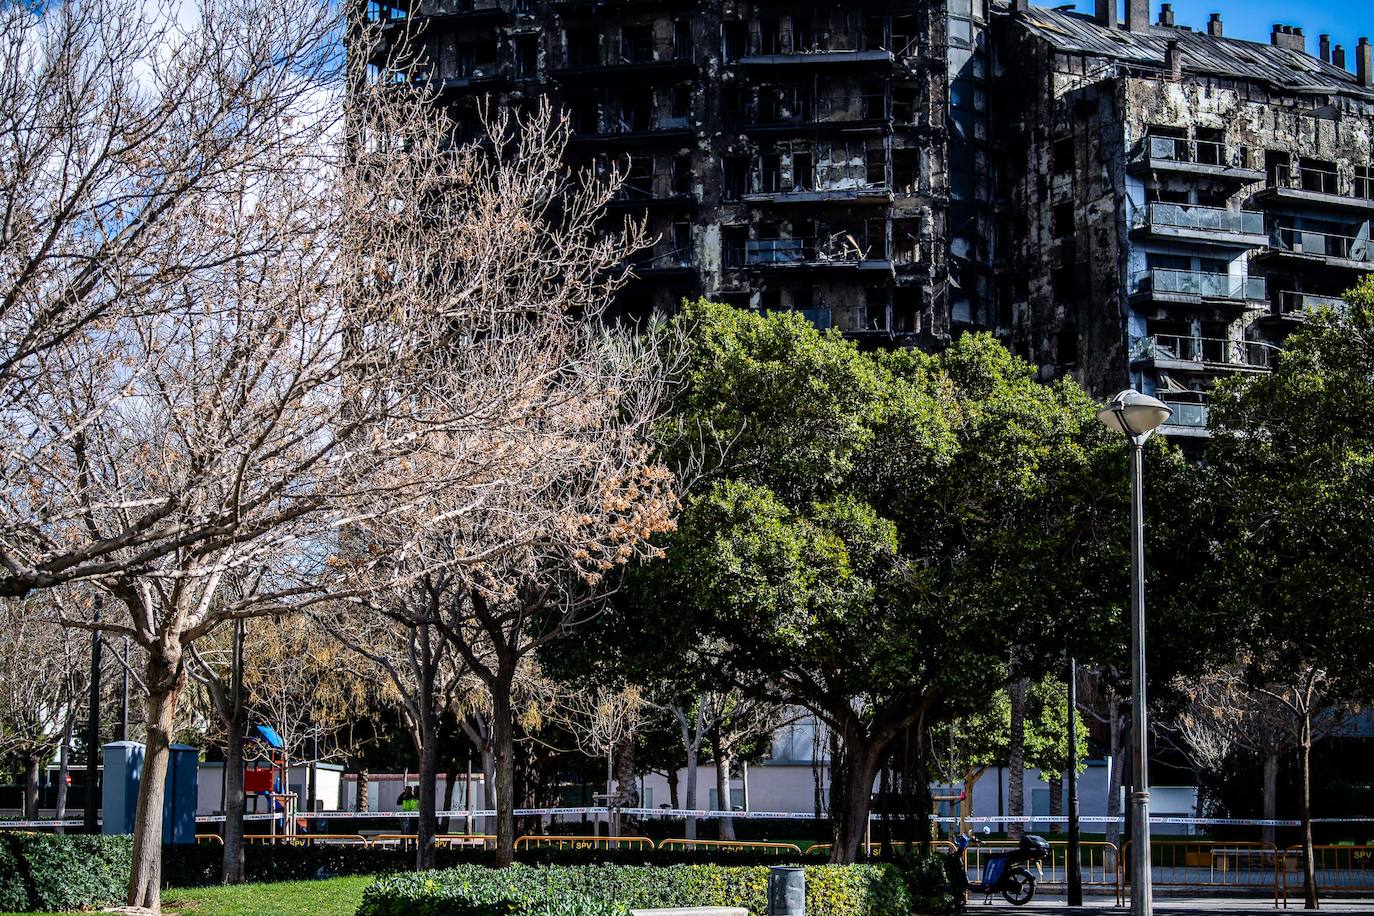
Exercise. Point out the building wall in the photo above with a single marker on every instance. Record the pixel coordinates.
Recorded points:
(785, 156)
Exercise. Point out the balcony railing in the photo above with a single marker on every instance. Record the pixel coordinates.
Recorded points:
(1199, 152)
(802, 109)
(671, 259)
(1186, 413)
(1206, 351)
(1322, 244)
(1305, 178)
(1198, 283)
(835, 250)
(1203, 219)
(1295, 305)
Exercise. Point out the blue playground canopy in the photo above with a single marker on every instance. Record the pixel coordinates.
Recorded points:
(269, 734)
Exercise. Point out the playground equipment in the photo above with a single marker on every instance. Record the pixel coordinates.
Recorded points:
(266, 786)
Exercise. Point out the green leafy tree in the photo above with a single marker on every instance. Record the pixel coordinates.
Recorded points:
(886, 531)
(1292, 462)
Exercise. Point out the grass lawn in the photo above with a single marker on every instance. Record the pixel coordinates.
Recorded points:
(329, 897)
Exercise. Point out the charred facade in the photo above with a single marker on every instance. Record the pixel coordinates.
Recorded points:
(1172, 201)
(1134, 203)
(786, 155)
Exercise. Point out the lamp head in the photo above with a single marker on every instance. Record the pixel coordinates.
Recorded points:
(1133, 414)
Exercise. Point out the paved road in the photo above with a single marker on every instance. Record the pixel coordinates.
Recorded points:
(1173, 906)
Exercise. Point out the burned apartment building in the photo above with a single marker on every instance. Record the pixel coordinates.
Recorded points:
(1171, 202)
(1133, 203)
(786, 155)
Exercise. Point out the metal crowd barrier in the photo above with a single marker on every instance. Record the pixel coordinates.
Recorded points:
(585, 842)
(1202, 864)
(306, 839)
(732, 845)
(1338, 868)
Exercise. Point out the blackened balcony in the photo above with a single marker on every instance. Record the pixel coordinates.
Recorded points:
(1338, 251)
(1171, 352)
(1316, 187)
(799, 113)
(1293, 307)
(1212, 225)
(670, 264)
(786, 48)
(1189, 418)
(836, 252)
(1166, 286)
(631, 57)
(1195, 157)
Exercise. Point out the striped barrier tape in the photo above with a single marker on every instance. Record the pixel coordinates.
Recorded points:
(752, 815)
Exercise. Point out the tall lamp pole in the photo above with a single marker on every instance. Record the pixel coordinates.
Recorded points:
(1136, 416)
(1075, 864)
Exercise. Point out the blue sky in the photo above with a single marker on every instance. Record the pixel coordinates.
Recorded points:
(1344, 20)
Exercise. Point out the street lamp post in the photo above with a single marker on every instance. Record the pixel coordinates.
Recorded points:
(1136, 416)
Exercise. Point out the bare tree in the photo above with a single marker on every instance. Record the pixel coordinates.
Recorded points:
(285, 673)
(737, 722)
(394, 631)
(44, 676)
(229, 413)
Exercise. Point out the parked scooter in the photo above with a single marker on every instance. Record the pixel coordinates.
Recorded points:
(1003, 872)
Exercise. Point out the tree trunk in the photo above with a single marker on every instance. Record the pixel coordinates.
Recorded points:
(165, 678)
(971, 777)
(674, 800)
(692, 773)
(851, 790)
(726, 830)
(362, 797)
(1016, 759)
(1117, 757)
(33, 763)
(1271, 791)
(232, 868)
(1056, 800)
(503, 741)
(64, 770)
(1309, 868)
(428, 789)
(450, 780)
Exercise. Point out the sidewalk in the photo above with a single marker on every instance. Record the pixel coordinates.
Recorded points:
(1174, 906)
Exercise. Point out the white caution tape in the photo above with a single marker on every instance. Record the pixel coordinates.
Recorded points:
(708, 814)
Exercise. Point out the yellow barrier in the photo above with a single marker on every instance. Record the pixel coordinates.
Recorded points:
(733, 845)
(585, 842)
(464, 839)
(824, 848)
(1338, 868)
(1211, 863)
(390, 839)
(308, 839)
(1099, 863)
(208, 837)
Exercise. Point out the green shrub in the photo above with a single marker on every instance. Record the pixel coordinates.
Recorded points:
(68, 871)
(471, 890)
(930, 883)
(14, 896)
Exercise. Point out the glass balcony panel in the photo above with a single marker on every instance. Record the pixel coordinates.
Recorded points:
(1187, 413)
(1206, 219)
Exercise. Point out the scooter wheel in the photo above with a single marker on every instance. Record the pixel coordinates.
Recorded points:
(1019, 887)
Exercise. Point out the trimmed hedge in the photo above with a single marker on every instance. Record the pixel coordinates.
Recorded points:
(192, 866)
(45, 871)
(470, 890)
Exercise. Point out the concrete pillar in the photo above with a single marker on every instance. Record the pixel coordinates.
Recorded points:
(1214, 25)
(1138, 15)
(1364, 63)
